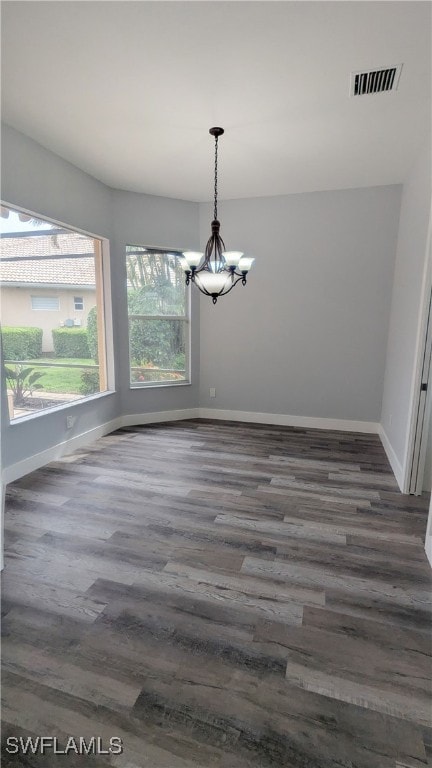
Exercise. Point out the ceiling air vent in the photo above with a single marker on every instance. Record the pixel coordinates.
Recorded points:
(375, 81)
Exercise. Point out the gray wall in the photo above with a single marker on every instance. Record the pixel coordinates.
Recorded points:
(410, 261)
(36, 179)
(307, 336)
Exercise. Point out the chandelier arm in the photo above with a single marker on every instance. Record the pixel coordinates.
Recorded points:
(220, 246)
(207, 254)
(215, 245)
(224, 293)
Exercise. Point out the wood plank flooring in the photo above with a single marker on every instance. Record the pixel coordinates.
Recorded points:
(219, 595)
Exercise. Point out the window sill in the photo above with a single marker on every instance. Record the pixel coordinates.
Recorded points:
(158, 384)
(58, 408)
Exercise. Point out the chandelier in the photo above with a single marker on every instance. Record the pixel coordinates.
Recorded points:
(216, 271)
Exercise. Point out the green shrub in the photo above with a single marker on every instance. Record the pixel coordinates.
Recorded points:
(89, 382)
(70, 342)
(21, 343)
(179, 361)
(160, 342)
(92, 334)
(22, 382)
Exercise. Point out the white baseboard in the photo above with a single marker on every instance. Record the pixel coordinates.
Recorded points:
(150, 418)
(428, 548)
(393, 459)
(21, 468)
(285, 420)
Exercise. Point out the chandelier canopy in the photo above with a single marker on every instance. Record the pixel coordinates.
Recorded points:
(216, 271)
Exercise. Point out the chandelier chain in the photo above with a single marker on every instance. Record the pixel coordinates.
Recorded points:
(215, 178)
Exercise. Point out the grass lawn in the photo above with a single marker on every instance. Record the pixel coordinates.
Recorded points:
(64, 380)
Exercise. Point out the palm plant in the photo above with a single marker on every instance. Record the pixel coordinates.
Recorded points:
(22, 381)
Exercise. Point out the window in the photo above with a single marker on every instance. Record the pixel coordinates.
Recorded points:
(50, 303)
(51, 359)
(158, 311)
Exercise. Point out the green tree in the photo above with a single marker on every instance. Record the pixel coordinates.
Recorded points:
(155, 287)
(92, 334)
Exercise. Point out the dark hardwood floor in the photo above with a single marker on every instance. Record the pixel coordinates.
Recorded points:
(219, 594)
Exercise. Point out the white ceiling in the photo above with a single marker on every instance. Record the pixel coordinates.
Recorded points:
(128, 90)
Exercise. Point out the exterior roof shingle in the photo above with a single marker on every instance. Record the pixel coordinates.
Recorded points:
(27, 260)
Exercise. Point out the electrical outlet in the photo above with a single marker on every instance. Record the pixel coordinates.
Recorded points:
(70, 421)
(212, 392)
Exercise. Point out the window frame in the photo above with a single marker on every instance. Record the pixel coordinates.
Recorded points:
(103, 291)
(79, 300)
(186, 319)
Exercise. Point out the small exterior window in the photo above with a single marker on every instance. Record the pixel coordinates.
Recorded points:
(45, 303)
(78, 302)
(158, 308)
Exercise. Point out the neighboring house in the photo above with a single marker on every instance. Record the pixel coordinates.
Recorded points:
(47, 280)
